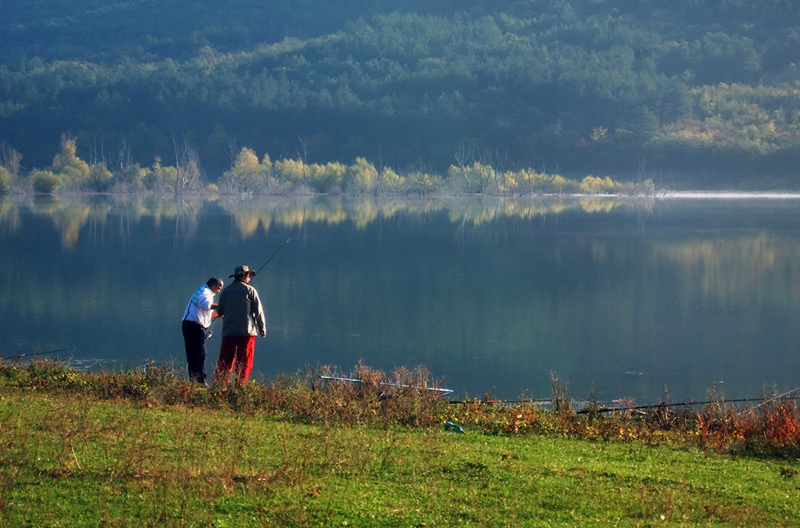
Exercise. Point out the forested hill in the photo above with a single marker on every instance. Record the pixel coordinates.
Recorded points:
(654, 87)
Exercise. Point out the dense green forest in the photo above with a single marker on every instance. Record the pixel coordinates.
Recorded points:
(703, 92)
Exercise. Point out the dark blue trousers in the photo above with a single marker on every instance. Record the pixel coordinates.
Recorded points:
(194, 338)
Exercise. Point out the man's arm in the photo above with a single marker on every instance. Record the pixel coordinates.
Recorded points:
(258, 314)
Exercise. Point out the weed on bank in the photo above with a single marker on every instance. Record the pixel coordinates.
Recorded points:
(145, 448)
(369, 397)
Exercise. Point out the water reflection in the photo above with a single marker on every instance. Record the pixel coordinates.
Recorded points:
(623, 296)
(738, 268)
(70, 215)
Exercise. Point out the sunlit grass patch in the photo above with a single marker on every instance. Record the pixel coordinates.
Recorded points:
(71, 458)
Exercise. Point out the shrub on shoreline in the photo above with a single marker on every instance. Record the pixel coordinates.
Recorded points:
(368, 397)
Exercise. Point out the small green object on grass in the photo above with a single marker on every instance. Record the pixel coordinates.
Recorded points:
(450, 426)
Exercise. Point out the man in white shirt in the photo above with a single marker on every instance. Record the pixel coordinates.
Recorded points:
(196, 319)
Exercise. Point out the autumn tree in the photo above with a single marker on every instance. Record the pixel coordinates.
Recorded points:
(362, 176)
(100, 177)
(290, 170)
(45, 182)
(68, 166)
(10, 159)
(5, 180)
(324, 178)
(247, 174)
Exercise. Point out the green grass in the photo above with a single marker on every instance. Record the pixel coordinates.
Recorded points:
(71, 458)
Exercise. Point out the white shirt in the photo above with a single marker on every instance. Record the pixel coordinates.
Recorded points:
(199, 308)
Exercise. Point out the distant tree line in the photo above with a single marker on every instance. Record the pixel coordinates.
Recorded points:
(250, 174)
(619, 86)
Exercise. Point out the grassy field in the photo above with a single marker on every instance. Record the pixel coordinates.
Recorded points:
(116, 450)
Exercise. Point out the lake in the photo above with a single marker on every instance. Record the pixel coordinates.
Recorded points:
(620, 298)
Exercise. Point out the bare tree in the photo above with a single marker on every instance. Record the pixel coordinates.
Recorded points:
(233, 151)
(96, 154)
(178, 159)
(490, 167)
(124, 156)
(379, 179)
(304, 155)
(187, 164)
(496, 164)
(465, 156)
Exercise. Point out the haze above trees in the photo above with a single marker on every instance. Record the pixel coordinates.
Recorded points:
(639, 88)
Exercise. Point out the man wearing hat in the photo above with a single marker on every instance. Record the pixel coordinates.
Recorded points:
(242, 319)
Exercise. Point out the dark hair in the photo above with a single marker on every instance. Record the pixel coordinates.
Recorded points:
(214, 281)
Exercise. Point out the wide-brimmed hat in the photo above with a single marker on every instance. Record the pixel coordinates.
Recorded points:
(242, 270)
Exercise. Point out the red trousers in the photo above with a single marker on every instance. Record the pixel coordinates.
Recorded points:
(239, 349)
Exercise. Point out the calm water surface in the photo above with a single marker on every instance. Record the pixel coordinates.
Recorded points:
(625, 298)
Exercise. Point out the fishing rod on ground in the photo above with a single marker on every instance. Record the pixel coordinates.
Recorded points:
(388, 384)
(784, 396)
(667, 405)
(778, 397)
(614, 408)
(209, 333)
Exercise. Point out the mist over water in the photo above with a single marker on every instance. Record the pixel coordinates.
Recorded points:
(621, 297)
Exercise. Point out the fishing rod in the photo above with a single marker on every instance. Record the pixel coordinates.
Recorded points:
(664, 405)
(607, 408)
(388, 384)
(778, 397)
(209, 333)
(695, 404)
(273, 255)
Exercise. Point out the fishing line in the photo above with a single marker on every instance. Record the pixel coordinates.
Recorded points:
(26, 354)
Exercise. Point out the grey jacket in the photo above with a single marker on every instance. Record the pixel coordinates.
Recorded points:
(241, 311)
